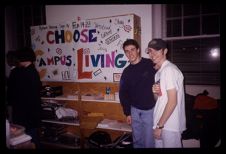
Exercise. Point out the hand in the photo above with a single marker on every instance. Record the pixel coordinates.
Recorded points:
(129, 120)
(157, 133)
(156, 89)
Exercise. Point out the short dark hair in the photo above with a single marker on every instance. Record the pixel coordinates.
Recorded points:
(26, 54)
(131, 42)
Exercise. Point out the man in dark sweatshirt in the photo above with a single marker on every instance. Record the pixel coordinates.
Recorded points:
(136, 95)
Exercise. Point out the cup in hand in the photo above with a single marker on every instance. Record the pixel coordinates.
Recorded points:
(156, 88)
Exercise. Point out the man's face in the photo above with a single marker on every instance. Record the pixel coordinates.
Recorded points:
(157, 56)
(132, 53)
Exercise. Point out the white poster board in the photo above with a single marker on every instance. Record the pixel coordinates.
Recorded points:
(55, 57)
(83, 50)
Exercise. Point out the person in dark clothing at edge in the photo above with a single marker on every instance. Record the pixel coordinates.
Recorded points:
(136, 96)
(23, 94)
(13, 62)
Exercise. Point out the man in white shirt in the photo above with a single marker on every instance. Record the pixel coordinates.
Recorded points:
(169, 111)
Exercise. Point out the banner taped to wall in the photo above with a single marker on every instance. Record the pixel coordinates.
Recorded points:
(84, 50)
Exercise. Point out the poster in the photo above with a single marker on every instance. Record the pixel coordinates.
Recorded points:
(84, 50)
(55, 56)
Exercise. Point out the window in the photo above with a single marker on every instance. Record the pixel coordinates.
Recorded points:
(196, 60)
(193, 34)
(192, 19)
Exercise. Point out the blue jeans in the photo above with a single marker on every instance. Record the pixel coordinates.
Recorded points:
(142, 128)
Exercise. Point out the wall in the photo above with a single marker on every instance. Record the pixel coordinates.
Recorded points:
(214, 91)
(148, 12)
(62, 13)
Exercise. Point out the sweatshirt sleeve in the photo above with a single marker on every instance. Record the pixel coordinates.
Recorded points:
(124, 96)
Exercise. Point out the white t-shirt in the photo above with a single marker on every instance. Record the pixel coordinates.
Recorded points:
(170, 77)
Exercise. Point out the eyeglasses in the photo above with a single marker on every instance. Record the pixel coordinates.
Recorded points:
(147, 50)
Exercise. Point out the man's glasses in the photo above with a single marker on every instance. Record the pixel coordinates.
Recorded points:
(147, 50)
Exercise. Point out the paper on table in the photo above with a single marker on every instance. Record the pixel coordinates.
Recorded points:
(106, 123)
(114, 124)
(19, 139)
